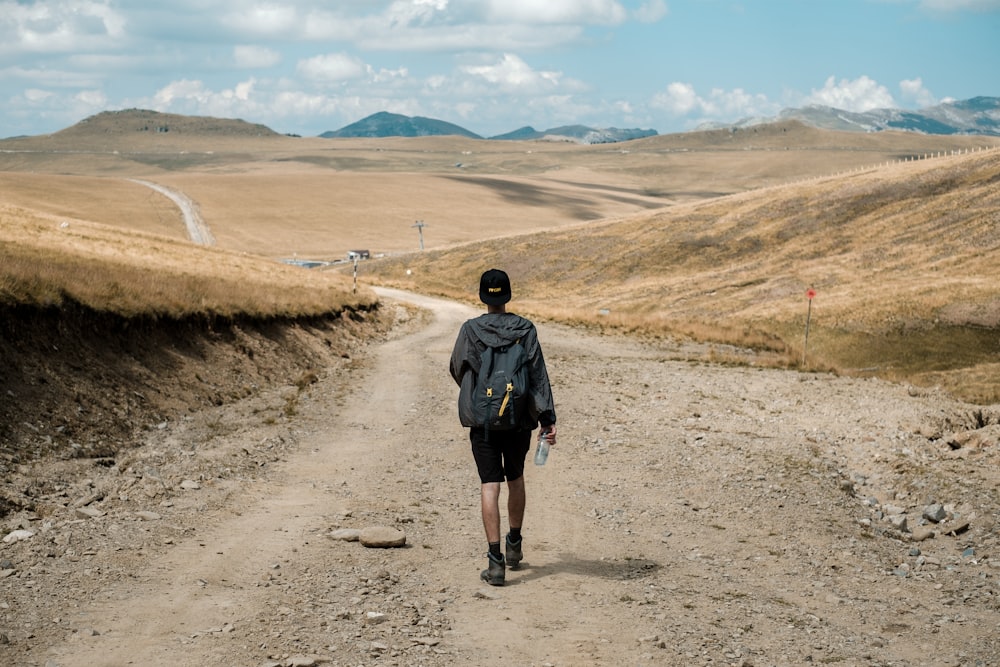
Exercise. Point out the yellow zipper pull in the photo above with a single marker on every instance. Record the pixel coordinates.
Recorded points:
(506, 399)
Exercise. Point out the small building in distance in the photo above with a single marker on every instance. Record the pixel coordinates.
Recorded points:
(358, 254)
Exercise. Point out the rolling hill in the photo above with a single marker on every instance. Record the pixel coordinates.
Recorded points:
(903, 258)
(385, 124)
(144, 121)
(976, 116)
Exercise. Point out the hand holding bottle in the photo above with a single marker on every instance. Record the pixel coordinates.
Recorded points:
(546, 436)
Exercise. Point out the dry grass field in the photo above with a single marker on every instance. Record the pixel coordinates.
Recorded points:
(318, 198)
(714, 235)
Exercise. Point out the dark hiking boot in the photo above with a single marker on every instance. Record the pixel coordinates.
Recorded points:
(514, 554)
(495, 574)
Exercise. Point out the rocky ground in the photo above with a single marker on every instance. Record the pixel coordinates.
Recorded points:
(691, 514)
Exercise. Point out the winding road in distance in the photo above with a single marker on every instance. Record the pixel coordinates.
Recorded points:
(197, 229)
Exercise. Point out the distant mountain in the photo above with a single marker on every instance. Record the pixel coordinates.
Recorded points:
(578, 133)
(385, 124)
(979, 115)
(142, 121)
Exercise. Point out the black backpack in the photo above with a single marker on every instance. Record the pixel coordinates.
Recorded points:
(500, 400)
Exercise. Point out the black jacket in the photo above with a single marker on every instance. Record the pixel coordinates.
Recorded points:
(494, 330)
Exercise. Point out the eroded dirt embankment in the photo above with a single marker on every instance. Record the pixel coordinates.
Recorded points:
(75, 383)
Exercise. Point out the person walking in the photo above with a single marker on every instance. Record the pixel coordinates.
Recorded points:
(500, 454)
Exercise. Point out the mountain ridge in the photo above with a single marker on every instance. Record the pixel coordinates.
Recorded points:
(977, 115)
(386, 124)
(974, 116)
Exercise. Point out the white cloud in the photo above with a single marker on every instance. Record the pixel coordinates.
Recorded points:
(331, 67)
(264, 19)
(623, 107)
(861, 94)
(92, 99)
(255, 57)
(34, 95)
(243, 90)
(386, 75)
(477, 37)
(426, 30)
(651, 12)
(323, 24)
(913, 91)
(600, 12)
(183, 90)
(511, 73)
(52, 77)
(58, 27)
(681, 99)
(457, 25)
(298, 103)
(738, 103)
(960, 5)
(414, 12)
(193, 97)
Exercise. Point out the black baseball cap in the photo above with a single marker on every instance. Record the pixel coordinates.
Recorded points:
(494, 288)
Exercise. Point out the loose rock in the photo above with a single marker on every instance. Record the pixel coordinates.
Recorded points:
(17, 536)
(935, 513)
(382, 537)
(346, 534)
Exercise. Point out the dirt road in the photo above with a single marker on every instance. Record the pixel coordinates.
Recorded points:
(691, 514)
(198, 230)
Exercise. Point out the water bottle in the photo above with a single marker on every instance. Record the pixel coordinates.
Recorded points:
(542, 451)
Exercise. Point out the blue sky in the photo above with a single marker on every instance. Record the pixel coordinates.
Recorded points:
(491, 66)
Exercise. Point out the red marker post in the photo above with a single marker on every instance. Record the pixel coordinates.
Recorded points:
(810, 295)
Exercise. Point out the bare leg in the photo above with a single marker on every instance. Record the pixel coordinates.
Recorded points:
(516, 500)
(490, 499)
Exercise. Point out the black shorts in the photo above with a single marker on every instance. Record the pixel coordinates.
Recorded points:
(502, 456)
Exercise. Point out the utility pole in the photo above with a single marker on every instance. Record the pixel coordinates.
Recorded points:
(420, 224)
(810, 294)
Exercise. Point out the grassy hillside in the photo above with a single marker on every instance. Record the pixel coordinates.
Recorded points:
(49, 261)
(903, 259)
